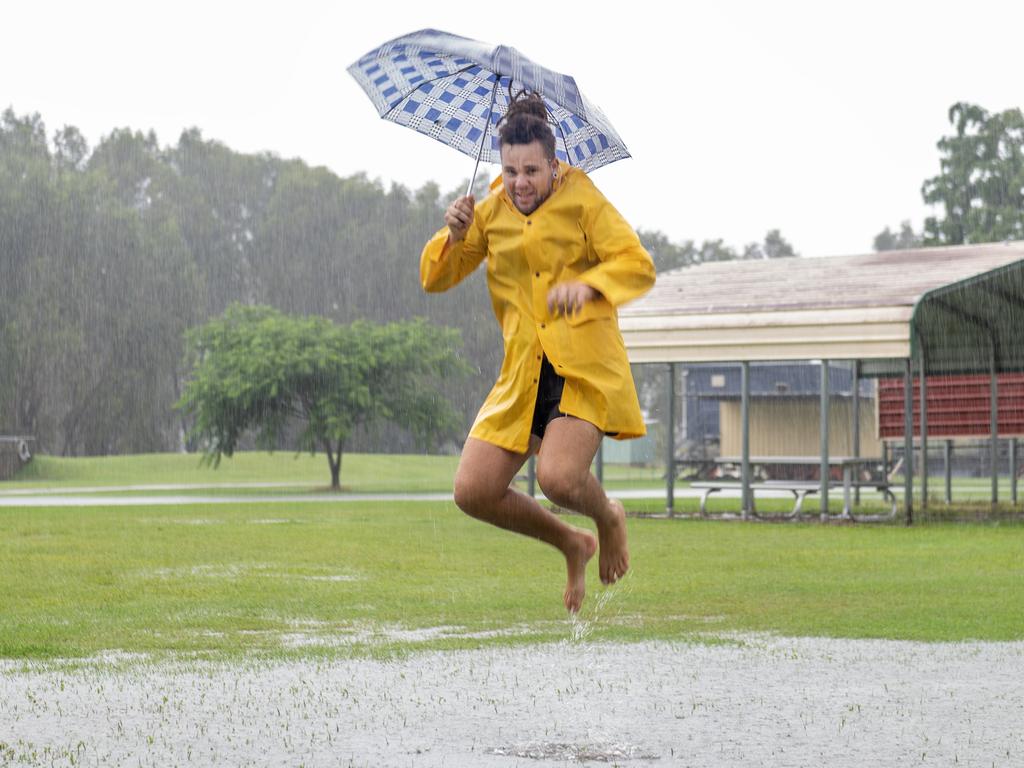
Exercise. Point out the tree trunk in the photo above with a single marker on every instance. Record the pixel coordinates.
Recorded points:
(334, 462)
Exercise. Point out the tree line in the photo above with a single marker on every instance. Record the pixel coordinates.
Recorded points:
(109, 255)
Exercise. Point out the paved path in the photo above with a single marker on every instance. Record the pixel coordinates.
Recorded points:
(162, 495)
(157, 496)
(62, 490)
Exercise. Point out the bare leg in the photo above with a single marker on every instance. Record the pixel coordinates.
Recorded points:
(482, 490)
(564, 475)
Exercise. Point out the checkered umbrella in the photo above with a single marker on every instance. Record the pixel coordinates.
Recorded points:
(455, 90)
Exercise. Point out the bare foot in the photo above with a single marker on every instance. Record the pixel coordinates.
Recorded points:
(614, 560)
(583, 548)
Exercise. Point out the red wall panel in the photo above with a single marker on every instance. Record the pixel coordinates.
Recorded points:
(958, 406)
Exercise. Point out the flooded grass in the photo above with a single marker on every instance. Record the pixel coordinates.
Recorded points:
(406, 634)
(230, 581)
(750, 700)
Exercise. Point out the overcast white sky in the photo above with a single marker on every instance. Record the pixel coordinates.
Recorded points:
(817, 118)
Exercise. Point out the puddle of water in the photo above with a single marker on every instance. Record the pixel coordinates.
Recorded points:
(576, 753)
(758, 701)
(188, 521)
(274, 521)
(335, 636)
(235, 570)
(212, 571)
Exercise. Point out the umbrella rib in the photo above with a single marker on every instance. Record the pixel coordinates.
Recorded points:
(565, 142)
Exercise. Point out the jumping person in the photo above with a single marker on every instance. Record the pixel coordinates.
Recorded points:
(560, 259)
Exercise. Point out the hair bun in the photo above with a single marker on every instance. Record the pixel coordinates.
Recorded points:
(526, 121)
(527, 103)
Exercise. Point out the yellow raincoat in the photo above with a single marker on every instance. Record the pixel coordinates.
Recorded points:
(575, 234)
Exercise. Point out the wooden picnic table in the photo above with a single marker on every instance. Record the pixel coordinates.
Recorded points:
(847, 464)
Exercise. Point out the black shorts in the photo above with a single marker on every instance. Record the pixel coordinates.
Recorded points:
(549, 397)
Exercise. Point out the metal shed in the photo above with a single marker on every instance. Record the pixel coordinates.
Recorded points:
(944, 310)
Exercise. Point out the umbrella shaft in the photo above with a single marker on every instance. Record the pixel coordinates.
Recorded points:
(487, 126)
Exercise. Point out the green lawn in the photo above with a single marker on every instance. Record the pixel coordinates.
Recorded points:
(278, 578)
(360, 472)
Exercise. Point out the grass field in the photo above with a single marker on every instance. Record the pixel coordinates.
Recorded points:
(360, 472)
(310, 578)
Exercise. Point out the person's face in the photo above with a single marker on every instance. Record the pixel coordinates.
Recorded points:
(528, 174)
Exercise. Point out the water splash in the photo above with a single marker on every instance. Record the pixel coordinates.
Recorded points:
(581, 628)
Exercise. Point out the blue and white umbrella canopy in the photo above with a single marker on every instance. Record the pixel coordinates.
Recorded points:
(455, 90)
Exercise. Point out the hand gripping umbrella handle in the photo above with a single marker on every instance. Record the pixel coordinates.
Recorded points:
(487, 126)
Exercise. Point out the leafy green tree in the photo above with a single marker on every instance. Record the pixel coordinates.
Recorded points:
(256, 368)
(98, 290)
(26, 195)
(777, 247)
(887, 240)
(981, 186)
(668, 255)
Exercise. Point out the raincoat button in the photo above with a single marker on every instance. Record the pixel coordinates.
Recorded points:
(542, 325)
(536, 274)
(529, 223)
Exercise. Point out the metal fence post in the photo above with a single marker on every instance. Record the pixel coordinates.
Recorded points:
(1013, 470)
(908, 440)
(825, 475)
(747, 495)
(670, 443)
(947, 460)
(994, 423)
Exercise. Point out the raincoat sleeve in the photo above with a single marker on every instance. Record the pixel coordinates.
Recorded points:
(443, 265)
(625, 269)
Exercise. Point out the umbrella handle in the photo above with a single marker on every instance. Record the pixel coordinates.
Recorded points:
(487, 125)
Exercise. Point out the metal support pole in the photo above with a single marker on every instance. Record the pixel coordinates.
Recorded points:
(670, 443)
(531, 476)
(747, 496)
(856, 425)
(825, 475)
(908, 440)
(1013, 470)
(994, 423)
(599, 462)
(947, 461)
(924, 427)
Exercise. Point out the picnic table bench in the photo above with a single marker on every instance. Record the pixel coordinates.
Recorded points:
(800, 489)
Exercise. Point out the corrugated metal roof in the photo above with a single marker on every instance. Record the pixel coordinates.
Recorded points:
(843, 307)
(890, 278)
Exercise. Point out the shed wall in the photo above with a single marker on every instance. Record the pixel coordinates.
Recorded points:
(791, 427)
